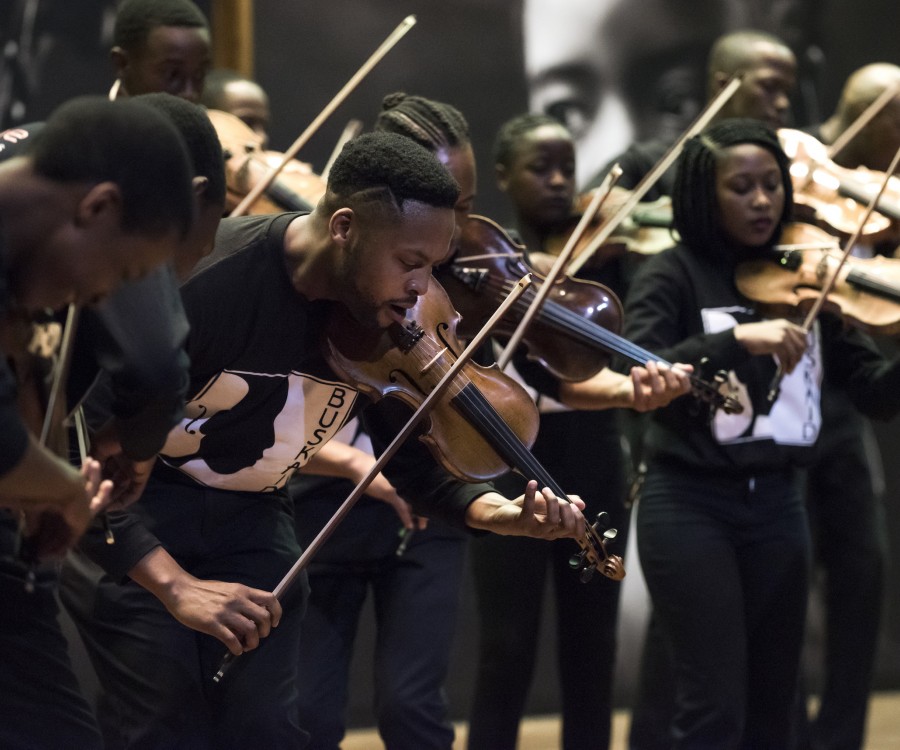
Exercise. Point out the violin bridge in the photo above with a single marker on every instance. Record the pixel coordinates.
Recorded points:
(433, 361)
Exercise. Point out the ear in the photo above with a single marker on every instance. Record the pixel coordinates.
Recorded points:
(119, 59)
(102, 203)
(200, 185)
(340, 224)
(501, 176)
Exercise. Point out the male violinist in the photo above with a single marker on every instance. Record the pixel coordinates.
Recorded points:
(875, 145)
(160, 45)
(76, 221)
(265, 399)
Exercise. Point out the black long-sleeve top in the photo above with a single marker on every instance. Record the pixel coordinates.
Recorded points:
(685, 309)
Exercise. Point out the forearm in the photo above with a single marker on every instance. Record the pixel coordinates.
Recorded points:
(605, 390)
(160, 574)
(336, 459)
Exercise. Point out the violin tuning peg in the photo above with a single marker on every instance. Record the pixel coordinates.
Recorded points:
(610, 534)
(602, 521)
(586, 575)
(577, 561)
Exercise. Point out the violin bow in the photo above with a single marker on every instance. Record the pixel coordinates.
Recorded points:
(816, 308)
(652, 177)
(417, 416)
(352, 129)
(60, 373)
(336, 101)
(596, 202)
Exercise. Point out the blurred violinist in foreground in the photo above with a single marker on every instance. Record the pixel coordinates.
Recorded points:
(77, 222)
(722, 526)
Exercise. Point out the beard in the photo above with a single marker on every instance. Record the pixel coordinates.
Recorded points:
(362, 305)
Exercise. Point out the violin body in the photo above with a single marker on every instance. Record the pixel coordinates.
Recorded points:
(483, 425)
(296, 188)
(789, 282)
(407, 362)
(486, 266)
(646, 231)
(834, 198)
(573, 335)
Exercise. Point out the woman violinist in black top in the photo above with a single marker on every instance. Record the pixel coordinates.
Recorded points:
(722, 527)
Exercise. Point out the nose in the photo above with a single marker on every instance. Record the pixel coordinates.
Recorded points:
(191, 92)
(418, 282)
(557, 178)
(761, 197)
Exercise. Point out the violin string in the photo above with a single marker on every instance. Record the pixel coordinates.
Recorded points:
(498, 433)
(593, 333)
(490, 424)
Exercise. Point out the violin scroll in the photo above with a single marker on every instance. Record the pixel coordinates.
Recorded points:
(594, 556)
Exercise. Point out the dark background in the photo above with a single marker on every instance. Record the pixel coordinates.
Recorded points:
(469, 53)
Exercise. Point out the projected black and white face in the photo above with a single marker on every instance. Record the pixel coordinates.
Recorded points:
(616, 71)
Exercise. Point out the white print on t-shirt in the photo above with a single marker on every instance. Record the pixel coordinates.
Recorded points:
(312, 412)
(795, 418)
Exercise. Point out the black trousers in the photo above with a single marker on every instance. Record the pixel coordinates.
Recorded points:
(583, 453)
(726, 560)
(156, 674)
(42, 707)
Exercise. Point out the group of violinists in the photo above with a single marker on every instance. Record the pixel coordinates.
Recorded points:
(217, 433)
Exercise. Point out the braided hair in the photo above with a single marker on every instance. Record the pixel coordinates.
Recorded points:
(694, 204)
(434, 125)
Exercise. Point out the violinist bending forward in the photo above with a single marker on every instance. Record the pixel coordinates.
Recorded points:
(266, 399)
(722, 527)
(73, 226)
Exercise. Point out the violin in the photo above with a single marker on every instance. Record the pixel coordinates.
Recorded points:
(789, 280)
(834, 197)
(296, 188)
(481, 427)
(576, 331)
(31, 347)
(646, 230)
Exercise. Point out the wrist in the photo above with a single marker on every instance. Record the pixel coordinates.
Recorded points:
(481, 513)
(160, 574)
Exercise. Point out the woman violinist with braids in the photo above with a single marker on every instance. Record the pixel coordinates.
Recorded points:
(722, 526)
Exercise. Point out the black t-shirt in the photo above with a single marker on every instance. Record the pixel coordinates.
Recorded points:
(265, 398)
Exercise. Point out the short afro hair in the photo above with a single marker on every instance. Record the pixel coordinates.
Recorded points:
(395, 164)
(200, 137)
(135, 19)
(91, 140)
